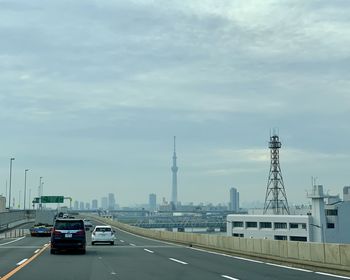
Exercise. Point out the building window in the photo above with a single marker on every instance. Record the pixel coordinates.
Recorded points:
(293, 225)
(303, 226)
(280, 237)
(238, 235)
(237, 224)
(280, 225)
(252, 224)
(330, 225)
(265, 225)
(331, 212)
(298, 238)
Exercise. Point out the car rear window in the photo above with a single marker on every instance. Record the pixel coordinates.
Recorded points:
(103, 229)
(65, 225)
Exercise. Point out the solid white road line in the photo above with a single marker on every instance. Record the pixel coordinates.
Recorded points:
(22, 261)
(18, 239)
(288, 267)
(149, 251)
(36, 251)
(245, 259)
(178, 261)
(229, 277)
(332, 275)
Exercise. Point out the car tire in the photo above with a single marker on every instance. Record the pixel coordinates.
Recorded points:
(112, 242)
(83, 251)
(52, 251)
(92, 243)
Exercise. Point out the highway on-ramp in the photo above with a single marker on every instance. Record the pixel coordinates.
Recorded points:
(135, 257)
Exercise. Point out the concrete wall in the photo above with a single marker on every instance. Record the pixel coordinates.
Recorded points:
(14, 218)
(328, 256)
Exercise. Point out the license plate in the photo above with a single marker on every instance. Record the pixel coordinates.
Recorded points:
(68, 235)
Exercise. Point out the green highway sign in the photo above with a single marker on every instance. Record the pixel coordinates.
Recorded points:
(36, 200)
(52, 199)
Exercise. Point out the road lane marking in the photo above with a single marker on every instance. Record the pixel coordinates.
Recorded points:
(18, 268)
(122, 241)
(288, 267)
(245, 259)
(149, 251)
(132, 244)
(21, 262)
(178, 261)
(229, 277)
(18, 239)
(332, 275)
(36, 251)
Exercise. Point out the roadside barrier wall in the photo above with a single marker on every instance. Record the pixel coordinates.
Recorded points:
(14, 218)
(326, 255)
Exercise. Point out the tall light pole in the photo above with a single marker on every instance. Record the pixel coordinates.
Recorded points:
(11, 159)
(40, 192)
(25, 188)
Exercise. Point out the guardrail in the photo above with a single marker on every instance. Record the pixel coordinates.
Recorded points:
(324, 255)
(12, 219)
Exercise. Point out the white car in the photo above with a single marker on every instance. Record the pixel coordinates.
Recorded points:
(103, 234)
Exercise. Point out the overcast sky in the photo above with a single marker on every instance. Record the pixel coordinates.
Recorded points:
(93, 91)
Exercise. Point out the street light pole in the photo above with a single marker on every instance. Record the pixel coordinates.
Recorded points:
(25, 188)
(39, 193)
(11, 159)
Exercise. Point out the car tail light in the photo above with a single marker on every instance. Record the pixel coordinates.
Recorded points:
(55, 232)
(80, 232)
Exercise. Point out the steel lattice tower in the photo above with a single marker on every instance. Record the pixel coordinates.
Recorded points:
(276, 198)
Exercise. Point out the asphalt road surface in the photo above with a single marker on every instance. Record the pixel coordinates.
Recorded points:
(135, 257)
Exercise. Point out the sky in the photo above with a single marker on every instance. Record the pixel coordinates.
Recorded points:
(93, 91)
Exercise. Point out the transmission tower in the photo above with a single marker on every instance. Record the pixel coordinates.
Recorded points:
(276, 198)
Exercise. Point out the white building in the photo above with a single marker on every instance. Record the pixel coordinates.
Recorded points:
(326, 222)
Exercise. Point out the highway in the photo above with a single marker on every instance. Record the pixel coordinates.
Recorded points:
(136, 257)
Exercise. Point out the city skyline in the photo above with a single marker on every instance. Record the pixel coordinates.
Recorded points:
(91, 103)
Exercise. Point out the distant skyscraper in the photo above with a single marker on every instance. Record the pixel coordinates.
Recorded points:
(111, 201)
(174, 170)
(87, 206)
(152, 202)
(94, 204)
(82, 206)
(76, 205)
(234, 200)
(104, 203)
(346, 193)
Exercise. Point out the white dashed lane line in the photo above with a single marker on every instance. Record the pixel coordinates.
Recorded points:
(21, 262)
(178, 261)
(36, 251)
(122, 241)
(149, 251)
(229, 277)
(131, 244)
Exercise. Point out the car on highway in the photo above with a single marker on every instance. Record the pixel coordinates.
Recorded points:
(103, 234)
(68, 234)
(88, 224)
